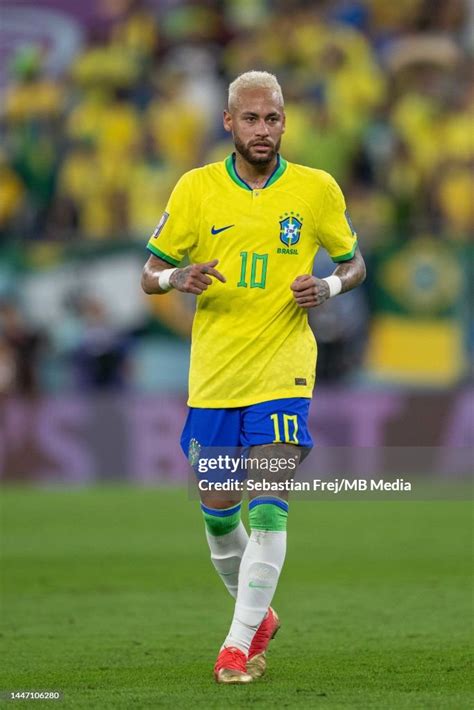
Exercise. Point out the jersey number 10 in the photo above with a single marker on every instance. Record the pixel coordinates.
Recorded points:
(289, 428)
(258, 270)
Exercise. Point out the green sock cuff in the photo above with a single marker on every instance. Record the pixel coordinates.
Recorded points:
(269, 517)
(221, 521)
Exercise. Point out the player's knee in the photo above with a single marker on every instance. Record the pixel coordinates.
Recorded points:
(221, 521)
(268, 513)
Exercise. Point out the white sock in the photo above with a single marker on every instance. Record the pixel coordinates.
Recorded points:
(226, 555)
(258, 578)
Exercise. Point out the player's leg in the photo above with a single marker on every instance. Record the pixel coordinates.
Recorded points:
(254, 623)
(209, 429)
(283, 424)
(227, 539)
(264, 555)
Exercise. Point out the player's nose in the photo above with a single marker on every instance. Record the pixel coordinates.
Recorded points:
(262, 128)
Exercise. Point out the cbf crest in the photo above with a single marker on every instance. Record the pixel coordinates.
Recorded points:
(194, 452)
(290, 228)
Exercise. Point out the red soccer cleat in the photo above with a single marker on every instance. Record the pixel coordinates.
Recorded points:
(230, 666)
(267, 630)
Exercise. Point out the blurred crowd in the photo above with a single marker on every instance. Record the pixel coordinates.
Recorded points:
(88, 352)
(380, 94)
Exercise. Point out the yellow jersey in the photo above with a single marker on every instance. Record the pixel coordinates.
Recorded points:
(251, 342)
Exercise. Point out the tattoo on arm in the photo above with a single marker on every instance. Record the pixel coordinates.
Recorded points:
(151, 274)
(352, 272)
(194, 278)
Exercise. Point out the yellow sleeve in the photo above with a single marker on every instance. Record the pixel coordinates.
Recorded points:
(335, 231)
(176, 232)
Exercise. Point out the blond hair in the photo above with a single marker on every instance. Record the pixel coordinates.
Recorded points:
(254, 80)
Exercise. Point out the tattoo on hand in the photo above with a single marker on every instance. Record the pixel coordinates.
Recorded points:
(196, 278)
(309, 291)
(178, 278)
(321, 291)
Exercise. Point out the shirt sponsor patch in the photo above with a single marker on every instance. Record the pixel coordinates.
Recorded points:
(160, 225)
(300, 380)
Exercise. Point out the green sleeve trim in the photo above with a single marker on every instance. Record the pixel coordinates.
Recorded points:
(162, 255)
(346, 257)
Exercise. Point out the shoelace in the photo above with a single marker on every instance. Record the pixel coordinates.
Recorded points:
(236, 654)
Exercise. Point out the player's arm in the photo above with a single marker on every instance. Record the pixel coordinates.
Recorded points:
(309, 291)
(158, 278)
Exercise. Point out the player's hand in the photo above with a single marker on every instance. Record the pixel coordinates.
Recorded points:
(308, 291)
(196, 278)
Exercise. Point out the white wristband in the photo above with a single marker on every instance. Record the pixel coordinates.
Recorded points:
(164, 279)
(335, 285)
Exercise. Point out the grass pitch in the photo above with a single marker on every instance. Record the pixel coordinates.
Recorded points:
(109, 596)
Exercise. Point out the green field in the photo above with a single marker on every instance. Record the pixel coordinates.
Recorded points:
(108, 596)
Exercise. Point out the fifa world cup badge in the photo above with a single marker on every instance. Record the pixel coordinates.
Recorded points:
(160, 225)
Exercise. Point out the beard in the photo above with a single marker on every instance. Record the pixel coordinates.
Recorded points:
(253, 159)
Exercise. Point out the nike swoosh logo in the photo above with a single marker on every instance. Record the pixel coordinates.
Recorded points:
(221, 229)
(252, 585)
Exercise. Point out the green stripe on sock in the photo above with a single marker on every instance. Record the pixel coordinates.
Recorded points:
(268, 517)
(218, 526)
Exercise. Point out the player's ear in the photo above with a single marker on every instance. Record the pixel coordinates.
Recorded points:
(227, 120)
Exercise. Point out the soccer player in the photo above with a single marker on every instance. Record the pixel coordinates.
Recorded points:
(251, 227)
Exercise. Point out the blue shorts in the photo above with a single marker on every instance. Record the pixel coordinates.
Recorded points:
(275, 421)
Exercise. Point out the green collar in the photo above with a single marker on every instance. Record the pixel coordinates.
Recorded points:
(276, 174)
